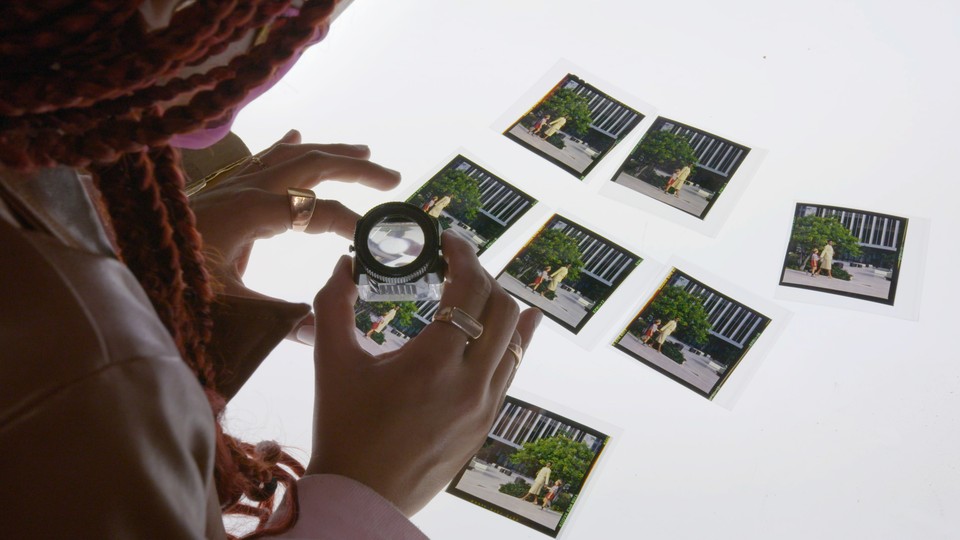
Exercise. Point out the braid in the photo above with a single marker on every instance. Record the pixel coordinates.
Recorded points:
(144, 235)
(83, 91)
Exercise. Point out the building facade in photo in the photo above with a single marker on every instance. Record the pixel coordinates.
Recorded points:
(609, 116)
(714, 154)
(729, 321)
(516, 425)
(498, 201)
(601, 260)
(873, 230)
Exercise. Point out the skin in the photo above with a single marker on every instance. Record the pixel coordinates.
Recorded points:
(404, 422)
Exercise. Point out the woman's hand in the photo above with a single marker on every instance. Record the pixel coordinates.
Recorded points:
(405, 422)
(252, 203)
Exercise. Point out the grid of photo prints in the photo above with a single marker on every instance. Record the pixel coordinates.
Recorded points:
(681, 166)
(845, 252)
(692, 333)
(467, 199)
(567, 271)
(532, 467)
(574, 125)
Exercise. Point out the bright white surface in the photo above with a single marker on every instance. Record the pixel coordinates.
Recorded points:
(850, 427)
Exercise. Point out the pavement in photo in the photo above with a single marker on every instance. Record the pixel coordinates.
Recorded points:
(690, 199)
(573, 154)
(565, 306)
(862, 281)
(459, 228)
(693, 370)
(485, 485)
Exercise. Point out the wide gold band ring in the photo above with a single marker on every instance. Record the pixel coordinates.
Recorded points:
(461, 319)
(302, 204)
(517, 351)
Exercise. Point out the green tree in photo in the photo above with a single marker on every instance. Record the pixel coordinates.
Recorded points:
(811, 232)
(566, 102)
(674, 302)
(550, 248)
(459, 185)
(663, 150)
(569, 459)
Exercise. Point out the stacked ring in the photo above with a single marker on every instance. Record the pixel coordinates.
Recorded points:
(461, 319)
(302, 204)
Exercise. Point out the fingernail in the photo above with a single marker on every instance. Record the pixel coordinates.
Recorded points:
(361, 147)
(537, 318)
(307, 334)
(290, 133)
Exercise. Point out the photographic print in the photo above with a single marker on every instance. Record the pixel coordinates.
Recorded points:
(567, 271)
(846, 252)
(471, 201)
(386, 326)
(681, 166)
(532, 466)
(692, 333)
(574, 125)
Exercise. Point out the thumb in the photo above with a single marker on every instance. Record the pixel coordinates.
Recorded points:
(333, 306)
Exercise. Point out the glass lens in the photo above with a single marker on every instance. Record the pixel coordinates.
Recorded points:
(395, 242)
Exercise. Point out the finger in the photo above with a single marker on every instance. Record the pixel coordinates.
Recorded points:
(334, 315)
(312, 167)
(467, 287)
(289, 148)
(269, 214)
(499, 323)
(528, 322)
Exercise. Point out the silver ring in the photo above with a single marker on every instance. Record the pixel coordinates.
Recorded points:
(302, 204)
(257, 161)
(461, 319)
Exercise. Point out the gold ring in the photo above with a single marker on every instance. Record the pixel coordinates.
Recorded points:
(461, 319)
(257, 161)
(302, 204)
(517, 351)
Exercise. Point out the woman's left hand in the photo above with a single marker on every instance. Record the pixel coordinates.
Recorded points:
(252, 203)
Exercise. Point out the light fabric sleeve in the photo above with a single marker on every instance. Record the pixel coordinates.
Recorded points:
(337, 507)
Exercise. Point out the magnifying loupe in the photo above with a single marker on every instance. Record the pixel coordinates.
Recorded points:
(398, 256)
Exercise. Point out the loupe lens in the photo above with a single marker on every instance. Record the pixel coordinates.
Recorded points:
(395, 242)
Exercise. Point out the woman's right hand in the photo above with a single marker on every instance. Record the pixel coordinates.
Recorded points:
(405, 422)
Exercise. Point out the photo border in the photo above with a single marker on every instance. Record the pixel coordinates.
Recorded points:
(712, 202)
(894, 280)
(574, 330)
(726, 376)
(461, 154)
(579, 175)
(591, 469)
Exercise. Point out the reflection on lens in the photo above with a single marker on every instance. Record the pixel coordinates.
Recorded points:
(395, 242)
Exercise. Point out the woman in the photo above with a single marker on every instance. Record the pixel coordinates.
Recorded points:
(119, 358)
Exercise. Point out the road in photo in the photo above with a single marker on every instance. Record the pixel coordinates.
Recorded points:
(565, 306)
(574, 154)
(485, 485)
(695, 370)
(692, 199)
(866, 281)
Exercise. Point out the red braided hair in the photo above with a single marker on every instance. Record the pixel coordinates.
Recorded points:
(86, 86)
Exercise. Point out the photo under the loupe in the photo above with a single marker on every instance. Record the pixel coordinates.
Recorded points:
(681, 166)
(386, 326)
(532, 467)
(574, 125)
(692, 333)
(567, 271)
(845, 252)
(472, 202)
